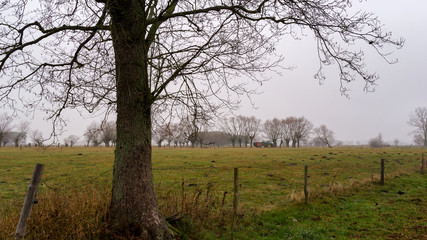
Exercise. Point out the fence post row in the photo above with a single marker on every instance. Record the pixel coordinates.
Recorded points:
(29, 201)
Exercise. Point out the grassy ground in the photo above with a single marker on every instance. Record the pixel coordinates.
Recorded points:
(394, 211)
(345, 201)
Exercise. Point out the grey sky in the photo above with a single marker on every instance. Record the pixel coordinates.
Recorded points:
(401, 88)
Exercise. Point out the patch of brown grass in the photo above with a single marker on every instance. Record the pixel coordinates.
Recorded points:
(82, 213)
(198, 203)
(74, 214)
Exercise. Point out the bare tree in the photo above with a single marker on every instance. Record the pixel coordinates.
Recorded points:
(418, 140)
(167, 132)
(242, 130)
(203, 135)
(273, 130)
(253, 128)
(159, 133)
(396, 142)
(182, 132)
(131, 55)
(108, 133)
(301, 131)
(21, 132)
(7, 139)
(71, 140)
(92, 134)
(232, 127)
(5, 128)
(37, 137)
(418, 119)
(377, 142)
(242, 137)
(287, 130)
(324, 135)
(173, 134)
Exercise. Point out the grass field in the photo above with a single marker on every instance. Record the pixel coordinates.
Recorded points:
(345, 199)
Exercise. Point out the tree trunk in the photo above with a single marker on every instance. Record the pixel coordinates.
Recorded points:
(133, 209)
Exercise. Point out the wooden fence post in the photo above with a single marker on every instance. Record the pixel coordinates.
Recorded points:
(29, 201)
(305, 183)
(382, 172)
(422, 164)
(236, 199)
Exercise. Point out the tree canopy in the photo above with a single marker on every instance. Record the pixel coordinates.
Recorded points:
(138, 57)
(59, 54)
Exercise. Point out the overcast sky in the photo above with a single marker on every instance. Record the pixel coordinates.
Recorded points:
(402, 87)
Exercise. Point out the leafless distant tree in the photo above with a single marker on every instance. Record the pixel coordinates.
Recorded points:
(21, 132)
(233, 128)
(5, 128)
(253, 128)
(288, 126)
(7, 139)
(301, 130)
(324, 135)
(161, 133)
(108, 133)
(418, 119)
(177, 135)
(37, 137)
(182, 132)
(172, 134)
(242, 124)
(396, 142)
(92, 134)
(197, 120)
(273, 130)
(376, 142)
(130, 55)
(167, 132)
(71, 140)
(418, 140)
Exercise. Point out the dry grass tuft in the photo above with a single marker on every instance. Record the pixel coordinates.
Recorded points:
(82, 213)
(295, 196)
(198, 203)
(74, 214)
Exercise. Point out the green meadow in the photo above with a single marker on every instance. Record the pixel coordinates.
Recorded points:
(346, 200)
